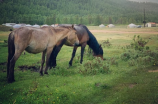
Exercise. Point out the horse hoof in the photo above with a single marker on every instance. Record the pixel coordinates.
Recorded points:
(11, 80)
(41, 73)
(70, 65)
(46, 73)
(54, 66)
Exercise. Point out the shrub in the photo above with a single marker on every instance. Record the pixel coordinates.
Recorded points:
(106, 43)
(140, 57)
(93, 67)
(139, 43)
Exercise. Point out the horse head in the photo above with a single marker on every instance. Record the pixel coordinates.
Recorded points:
(72, 36)
(100, 54)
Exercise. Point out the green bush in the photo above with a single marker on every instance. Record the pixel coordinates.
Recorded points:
(106, 43)
(139, 43)
(140, 57)
(93, 67)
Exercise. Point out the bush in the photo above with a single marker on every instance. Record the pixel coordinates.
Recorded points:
(140, 57)
(106, 43)
(93, 67)
(139, 43)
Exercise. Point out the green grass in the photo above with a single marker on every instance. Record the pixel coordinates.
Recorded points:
(123, 84)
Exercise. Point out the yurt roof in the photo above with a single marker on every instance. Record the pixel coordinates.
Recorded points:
(17, 26)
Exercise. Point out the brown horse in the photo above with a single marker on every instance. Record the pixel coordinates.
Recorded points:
(35, 41)
(85, 37)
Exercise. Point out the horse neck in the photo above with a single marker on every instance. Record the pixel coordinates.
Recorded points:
(62, 34)
(92, 42)
(94, 45)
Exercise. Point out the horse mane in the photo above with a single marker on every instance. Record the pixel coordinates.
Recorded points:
(92, 42)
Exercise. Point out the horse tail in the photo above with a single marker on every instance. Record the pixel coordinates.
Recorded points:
(11, 50)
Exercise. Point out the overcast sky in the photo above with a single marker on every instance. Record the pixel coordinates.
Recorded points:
(154, 1)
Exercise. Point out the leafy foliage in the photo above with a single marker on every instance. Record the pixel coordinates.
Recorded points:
(88, 12)
(139, 43)
(93, 67)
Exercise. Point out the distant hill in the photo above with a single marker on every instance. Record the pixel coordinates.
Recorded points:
(89, 12)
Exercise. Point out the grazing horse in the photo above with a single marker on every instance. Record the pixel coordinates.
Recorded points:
(35, 40)
(85, 37)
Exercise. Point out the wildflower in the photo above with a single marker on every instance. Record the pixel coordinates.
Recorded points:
(53, 102)
(57, 97)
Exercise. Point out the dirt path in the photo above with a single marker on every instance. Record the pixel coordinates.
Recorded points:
(107, 31)
(153, 71)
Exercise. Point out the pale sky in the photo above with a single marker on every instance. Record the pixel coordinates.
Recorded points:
(154, 1)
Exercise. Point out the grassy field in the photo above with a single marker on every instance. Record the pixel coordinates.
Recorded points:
(117, 80)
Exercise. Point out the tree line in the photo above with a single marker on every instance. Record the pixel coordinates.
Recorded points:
(88, 12)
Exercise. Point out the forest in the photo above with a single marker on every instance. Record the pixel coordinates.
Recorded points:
(88, 12)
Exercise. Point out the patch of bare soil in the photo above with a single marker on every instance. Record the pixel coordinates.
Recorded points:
(132, 85)
(3, 63)
(150, 71)
(26, 67)
(107, 31)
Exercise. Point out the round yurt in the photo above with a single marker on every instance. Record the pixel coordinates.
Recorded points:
(101, 25)
(36, 26)
(111, 26)
(28, 25)
(16, 26)
(8, 25)
(132, 25)
(53, 25)
(44, 25)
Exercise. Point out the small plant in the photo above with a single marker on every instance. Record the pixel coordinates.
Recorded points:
(93, 67)
(139, 43)
(106, 43)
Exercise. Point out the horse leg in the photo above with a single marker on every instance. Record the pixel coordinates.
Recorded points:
(10, 56)
(11, 67)
(55, 52)
(82, 51)
(73, 55)
(48, 59)
(53, 56)
(42, 62)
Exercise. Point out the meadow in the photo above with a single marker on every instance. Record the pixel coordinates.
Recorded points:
(126, 76)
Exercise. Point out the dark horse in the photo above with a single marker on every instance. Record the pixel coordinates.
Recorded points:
(85, 37)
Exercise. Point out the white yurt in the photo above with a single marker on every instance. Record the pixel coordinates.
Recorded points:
(53, 25)
(44, 25)
(132, 25)
(101, 25)
(111, 25)
(17, 26)
(28, 25)
(8, 25)
(36, 26)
